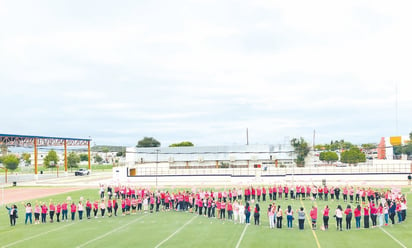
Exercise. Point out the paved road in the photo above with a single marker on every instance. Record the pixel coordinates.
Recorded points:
(68, 179)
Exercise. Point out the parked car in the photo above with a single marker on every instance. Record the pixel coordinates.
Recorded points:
(82, 172)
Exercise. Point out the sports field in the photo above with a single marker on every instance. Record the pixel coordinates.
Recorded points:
(183, 229)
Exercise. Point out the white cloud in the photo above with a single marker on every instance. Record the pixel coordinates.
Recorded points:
(207, 70)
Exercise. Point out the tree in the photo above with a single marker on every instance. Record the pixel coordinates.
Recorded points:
(26, 157)
(183, 143)
(353, 156)
(4, 149)
(328, 156)
(407, 149)
(11, 162)
(339, 145)
(72, 160)
(50, 159)
(148, 142)
(397, 150)
(84, 157)
(98, 159)
(302, 150)
(105, 150)
(369, 146)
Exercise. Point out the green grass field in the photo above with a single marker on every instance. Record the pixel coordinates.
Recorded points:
(181, 229)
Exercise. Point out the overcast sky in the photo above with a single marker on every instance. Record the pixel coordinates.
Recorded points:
(204, 71)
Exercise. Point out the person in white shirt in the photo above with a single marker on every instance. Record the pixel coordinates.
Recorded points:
(241, 213)
(235, 211)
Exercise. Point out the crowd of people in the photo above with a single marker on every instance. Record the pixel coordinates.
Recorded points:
(239, 205)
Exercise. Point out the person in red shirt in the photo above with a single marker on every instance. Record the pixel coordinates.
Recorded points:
(258, 193)
(270, 193)
(326, 217)
(44, 210)
(115, 206)
(366, 216)
(348, 213)
(73, 210)
(222, 210)
(64, 211)
(357, 213)
(263, 193)
(256, 214)
(52, 210)
(109, 208)
(58, 211)
(229, 210)
(314, 216)
(88, 208)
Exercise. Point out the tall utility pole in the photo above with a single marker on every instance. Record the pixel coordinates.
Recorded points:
(314, 133)
(247, 136)
(157, 163)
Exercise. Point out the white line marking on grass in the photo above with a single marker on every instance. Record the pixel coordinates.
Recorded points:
(35, 236)
(310, 225)
(178, 230)
(110, 232)
(241, 236)
(396, 240)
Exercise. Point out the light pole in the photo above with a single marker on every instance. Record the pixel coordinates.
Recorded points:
(157, 163)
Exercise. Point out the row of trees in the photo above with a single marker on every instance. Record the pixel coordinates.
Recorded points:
(152, 142)
(11, 161)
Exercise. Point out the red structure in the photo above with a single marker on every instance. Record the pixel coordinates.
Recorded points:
(43, 141)
(382, 149)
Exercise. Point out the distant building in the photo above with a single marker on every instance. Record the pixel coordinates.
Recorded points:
(236, 156)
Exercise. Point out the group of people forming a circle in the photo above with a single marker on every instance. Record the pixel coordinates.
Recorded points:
(377, 206)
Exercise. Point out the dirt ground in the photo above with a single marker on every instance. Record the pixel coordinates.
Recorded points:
(12, 195)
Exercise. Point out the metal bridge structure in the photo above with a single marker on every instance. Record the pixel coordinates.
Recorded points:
(16, 140)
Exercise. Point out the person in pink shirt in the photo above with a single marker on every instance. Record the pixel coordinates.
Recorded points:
(358, 215)
(37, 211)
(44, 210)
(314, 216)
(29, 214)
(348, 213)
(52, 210)
(326, 217)
(95, 208)
(58, 211)
(73, 210)
(110, 208)
(88, 208)
(115, 206)
(64, 211)
(102, 208)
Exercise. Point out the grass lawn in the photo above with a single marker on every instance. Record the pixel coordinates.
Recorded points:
(181, 229)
